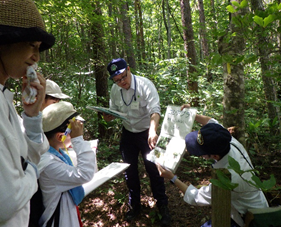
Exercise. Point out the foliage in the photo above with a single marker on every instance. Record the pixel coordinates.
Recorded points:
(70, 62)
(224, 182)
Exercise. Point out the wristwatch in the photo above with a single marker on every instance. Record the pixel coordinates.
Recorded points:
(173, 179)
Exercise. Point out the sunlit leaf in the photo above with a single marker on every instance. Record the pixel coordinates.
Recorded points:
(258, 20)
(235, 3)
(243, 4)
(268, 20)
(231, 9)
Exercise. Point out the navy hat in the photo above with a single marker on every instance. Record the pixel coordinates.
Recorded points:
(116, 67)
(211, 139)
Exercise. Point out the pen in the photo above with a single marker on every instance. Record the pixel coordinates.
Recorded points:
(67, 131)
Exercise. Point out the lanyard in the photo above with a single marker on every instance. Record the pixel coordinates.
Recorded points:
(133, 96)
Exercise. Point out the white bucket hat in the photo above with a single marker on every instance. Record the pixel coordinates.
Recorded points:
(53, 89)
(56, 114)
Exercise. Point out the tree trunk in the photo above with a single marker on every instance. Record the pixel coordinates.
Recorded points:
(166, 18)
(234, 87)
(269, 83)
(99, 67)
(189, 47)
(141, 32)
(128, 36)
(138, 55)
(215, 37)
(202, 30)
(112, 39)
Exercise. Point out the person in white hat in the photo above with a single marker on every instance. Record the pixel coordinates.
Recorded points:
(61, 181)
(22, 37)
(53, 94)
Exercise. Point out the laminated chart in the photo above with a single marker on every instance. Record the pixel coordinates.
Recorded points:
(170, 146)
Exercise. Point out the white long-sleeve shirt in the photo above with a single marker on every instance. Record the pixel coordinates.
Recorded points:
(18, 137)
(57, 177)
(148, 102)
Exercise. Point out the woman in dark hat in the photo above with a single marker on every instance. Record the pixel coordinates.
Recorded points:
(22, 37)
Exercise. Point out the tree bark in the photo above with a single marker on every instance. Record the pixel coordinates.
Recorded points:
(189, 47)
(99, 67)
(269, 83)
(139, 32)
(166, 18)
(112, 39)
(234, 86)
(202, 30)
(128, 36)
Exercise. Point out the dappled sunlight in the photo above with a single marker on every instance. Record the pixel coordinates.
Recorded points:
(98, 202)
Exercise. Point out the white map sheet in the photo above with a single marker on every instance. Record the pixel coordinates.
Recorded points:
(104, 175)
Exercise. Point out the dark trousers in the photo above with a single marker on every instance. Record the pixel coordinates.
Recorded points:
(130, 146)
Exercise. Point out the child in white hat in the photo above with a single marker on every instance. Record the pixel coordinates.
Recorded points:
(53, 94)
(60, 181)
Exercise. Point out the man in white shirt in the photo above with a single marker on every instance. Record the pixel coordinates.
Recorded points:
(138, 98)
(213, 141)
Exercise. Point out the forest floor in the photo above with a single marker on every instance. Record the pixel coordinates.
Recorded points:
(106, 206)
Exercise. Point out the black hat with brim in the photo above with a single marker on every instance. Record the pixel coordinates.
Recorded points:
(10, 34)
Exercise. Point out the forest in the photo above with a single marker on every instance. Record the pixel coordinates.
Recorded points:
(222, 57)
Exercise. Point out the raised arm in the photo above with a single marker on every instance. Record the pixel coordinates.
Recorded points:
(202, 119)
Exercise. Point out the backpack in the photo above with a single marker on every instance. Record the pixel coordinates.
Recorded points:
(36, 208)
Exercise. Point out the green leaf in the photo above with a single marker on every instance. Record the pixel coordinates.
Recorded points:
(216, 59)
(235, 3)
(225, 180)
(218, 183)
(231, 9)
(258, 20)
(270, 183)
(257, 181)
(250, 58)
(243, 4)
(268, 20)
(234, 165)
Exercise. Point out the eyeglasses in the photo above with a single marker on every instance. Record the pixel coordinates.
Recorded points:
(121, 79)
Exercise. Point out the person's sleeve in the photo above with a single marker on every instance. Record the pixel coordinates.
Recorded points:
(212, 120)
(113, 94)
(67, 177)
(153, 100)
(35, 137)
(199, 197)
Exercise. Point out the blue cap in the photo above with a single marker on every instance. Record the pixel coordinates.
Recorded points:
(116, 67)
(211, 139)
